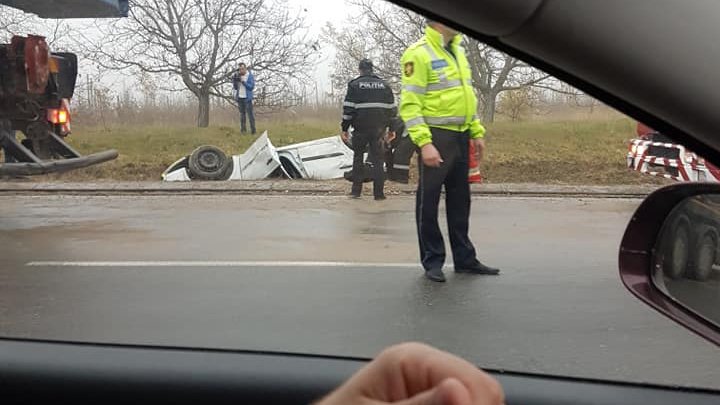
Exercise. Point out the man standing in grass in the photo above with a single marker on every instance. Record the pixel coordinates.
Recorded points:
(244, 84)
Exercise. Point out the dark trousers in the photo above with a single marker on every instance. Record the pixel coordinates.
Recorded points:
(399, 163)
(246, 111)
(453, 174)
(361, 140)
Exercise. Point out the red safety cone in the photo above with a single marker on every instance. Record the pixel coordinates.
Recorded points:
(474, 175)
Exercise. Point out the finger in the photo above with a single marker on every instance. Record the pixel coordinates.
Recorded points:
(424, 367)
(449, 392)
(452, 392)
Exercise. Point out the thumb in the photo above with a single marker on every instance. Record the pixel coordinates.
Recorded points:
(449, 392)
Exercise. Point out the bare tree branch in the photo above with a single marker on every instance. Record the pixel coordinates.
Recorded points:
(12, 22)
(382, 32)
(202, 41)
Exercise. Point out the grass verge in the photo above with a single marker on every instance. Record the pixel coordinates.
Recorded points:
(561, 152)
(146, 151)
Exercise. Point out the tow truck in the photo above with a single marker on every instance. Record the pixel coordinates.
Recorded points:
(36, 86)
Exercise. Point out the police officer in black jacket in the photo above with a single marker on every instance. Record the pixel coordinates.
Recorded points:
(369, 108)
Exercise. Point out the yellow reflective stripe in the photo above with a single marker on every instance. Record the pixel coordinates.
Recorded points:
(414, 122)
(444, 82)
(445, 120)
(432, 53)
(444, 85)
(415, 89)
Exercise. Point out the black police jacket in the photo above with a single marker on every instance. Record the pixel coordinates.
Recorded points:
(369, 104)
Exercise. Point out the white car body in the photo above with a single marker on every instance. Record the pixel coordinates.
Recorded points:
(321, 159)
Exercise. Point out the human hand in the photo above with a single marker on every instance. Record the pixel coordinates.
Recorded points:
(391, 135)
(345, 136)
(416, 374)
(479, 149)
(430, 156)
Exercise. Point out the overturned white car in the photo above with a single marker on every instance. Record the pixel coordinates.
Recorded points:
(322, 159)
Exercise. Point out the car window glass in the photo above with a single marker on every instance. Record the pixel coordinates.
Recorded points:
(214, 208)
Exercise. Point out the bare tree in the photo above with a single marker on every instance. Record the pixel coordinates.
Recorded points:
(495, 72)
(57, 34)
(200, 43)
(12, 22)
(384, 31)
(516, 103)
(15, 22)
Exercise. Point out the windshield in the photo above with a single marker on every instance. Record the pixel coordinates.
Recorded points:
(268, 194)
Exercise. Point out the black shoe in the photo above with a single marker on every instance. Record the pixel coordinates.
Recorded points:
(354, 195)
(435, 275)
(479, 269)
(380, 198)
(356, 190)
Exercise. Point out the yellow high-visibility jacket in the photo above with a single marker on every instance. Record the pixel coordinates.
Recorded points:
(437, 89)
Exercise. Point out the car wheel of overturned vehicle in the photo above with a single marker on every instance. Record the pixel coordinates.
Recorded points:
(705, 255)
(209, 163)
(677, 254)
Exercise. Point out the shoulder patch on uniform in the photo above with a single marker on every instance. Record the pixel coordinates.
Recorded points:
(409, 69)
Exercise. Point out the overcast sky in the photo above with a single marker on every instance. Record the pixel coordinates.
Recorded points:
(322, 11)
(319, 13)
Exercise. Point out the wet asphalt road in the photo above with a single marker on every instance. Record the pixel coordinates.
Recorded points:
(273, 273)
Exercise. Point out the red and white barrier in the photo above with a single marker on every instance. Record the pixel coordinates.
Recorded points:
(688, 167)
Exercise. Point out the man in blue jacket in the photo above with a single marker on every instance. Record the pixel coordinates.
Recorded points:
(244, 84)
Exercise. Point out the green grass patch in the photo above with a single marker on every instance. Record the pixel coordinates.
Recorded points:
(562, 152)
(146, 151)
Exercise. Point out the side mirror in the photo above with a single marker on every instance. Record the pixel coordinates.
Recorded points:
(670, 256)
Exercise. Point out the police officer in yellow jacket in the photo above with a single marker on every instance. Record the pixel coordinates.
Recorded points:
(439, 109)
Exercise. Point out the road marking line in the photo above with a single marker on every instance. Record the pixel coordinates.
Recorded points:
(219, 264)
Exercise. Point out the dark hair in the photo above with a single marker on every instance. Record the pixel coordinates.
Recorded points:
(366, 65)
(242, 64)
